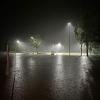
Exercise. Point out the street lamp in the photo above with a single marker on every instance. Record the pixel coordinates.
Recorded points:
(69, 25)
(59, 45)
(18, 42)
(32, 37)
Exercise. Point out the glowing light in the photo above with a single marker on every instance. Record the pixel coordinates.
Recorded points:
(18, 42)
(59, 45)
(32, 37)
(69, 23)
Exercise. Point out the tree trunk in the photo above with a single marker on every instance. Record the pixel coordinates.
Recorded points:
(36, 50)
(90, 48)
(81, 49)
(87, 46)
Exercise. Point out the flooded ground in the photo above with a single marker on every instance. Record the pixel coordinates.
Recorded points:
(48, 77)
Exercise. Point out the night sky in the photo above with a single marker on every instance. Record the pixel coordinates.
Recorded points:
(47, 18)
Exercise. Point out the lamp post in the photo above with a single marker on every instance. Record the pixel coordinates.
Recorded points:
(7, 63)
(18, 42)
(69, 24)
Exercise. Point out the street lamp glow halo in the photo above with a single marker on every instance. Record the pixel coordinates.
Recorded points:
(18, 41)
(32, 37)
(59, 44)
(69, 23)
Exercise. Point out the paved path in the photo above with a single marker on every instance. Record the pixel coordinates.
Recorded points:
(49, 78)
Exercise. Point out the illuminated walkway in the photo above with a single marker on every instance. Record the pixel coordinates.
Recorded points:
(50, 78)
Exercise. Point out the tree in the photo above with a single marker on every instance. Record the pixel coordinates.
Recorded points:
(89, 23)
(79, 33)
(36, 42)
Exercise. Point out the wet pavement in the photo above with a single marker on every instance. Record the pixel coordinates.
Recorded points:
(51, 78)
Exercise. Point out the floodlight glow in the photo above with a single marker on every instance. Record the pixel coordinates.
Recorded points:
(59, 45)
(18, 41)
(69, 24)
(32, 37)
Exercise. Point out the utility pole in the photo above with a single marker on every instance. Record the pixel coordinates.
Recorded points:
(7, 59)
(69, 24)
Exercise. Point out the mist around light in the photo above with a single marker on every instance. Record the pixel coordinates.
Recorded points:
(60, 44)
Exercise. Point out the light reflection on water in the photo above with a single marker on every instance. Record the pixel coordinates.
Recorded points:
(18, 61)
(69, 82)
(24, 66)
(59, 81)
(69, 74)
(85, 67)
(59, 74)
(18, 70)
(31, 63)
(84, 64)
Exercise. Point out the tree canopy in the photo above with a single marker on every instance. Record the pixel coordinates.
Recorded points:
(36, 41)
(87, 30)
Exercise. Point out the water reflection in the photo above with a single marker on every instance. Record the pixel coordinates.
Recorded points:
(59, 74)
(59, 81)
(18, 61)
(67, 76)
(31, 63)
(24, 69)
(85, 77)
(84, 64)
